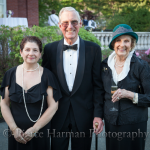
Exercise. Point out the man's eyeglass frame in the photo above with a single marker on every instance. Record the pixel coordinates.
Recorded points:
(66, 24)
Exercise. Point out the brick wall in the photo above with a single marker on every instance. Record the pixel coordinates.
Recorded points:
(33, 12)
(26, 9)
(22, 8)
(13, 5)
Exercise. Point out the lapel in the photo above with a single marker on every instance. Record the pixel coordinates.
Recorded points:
(60, 68)
(133, 58)
(80, 67)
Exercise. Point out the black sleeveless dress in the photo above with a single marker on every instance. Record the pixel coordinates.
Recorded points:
(34, 97)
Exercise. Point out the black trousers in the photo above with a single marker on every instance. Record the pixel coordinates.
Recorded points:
(126, 137)
(79, 140)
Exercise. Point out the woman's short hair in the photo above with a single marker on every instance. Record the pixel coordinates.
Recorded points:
(33, 39)
(133, 42)
(68, 9)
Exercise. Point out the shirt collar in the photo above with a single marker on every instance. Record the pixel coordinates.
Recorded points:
(111, 57)
(126, 67)
(76, 42)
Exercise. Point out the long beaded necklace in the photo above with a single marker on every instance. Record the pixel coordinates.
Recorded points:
(24, 96)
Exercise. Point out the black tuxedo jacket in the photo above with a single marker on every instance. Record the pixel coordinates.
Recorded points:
(86, 96)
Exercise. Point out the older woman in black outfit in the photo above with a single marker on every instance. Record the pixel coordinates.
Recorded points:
(126, 124)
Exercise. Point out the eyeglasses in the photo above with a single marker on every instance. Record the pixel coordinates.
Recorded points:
(66, 24)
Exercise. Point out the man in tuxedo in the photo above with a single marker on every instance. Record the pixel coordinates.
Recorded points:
(76, 64)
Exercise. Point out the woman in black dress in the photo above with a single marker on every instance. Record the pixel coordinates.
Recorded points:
(126, 111)
(33, 92)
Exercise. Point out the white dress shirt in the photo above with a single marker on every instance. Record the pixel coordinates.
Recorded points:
(124, 72)
(70, 62)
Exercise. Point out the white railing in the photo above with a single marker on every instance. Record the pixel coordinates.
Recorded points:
(142, 44)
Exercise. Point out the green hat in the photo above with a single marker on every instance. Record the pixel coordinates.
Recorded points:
(122, 29)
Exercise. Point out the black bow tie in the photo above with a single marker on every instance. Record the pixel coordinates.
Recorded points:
(74, 47)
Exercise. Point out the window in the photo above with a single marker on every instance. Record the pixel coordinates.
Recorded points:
(3, 9)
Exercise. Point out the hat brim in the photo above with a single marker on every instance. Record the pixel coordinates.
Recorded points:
(133, 34)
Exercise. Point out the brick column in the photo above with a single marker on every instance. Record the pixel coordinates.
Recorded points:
(22, 8)
(26, 9)
(32, 12)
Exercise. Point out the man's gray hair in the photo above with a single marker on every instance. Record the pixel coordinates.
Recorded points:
(68, 9)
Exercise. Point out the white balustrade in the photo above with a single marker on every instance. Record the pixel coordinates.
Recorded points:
(142, 44)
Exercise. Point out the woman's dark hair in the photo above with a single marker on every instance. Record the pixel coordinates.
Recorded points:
(33, 39)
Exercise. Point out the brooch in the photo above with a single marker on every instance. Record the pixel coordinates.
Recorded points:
(104, 69)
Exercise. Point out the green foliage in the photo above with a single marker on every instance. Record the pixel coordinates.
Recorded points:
(10, 39)
(46, 6)
(88, 36)
(135, 17)
(46, 34)
(105, 9)
(106, 52)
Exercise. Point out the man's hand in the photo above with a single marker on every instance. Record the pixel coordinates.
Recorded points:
(100, 125)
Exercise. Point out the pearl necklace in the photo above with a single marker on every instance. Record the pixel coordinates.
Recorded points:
(25, 100)
(120, 66)
(31, 70)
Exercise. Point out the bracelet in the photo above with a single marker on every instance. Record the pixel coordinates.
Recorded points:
(14, 130)
(34, 133)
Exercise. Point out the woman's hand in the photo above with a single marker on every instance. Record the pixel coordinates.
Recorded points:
(18, 135)
(119, 94)
(29, 134)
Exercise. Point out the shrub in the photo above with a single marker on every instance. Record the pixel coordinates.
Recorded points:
(88, 36)
(137, 19)
(10, 41)
(106, 52)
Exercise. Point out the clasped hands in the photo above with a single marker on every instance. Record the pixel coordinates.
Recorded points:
(24, 137)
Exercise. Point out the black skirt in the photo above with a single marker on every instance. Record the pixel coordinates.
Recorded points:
(126, 137)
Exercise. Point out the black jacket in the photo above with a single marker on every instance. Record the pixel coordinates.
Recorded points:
(85, 97)
(128, 113)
